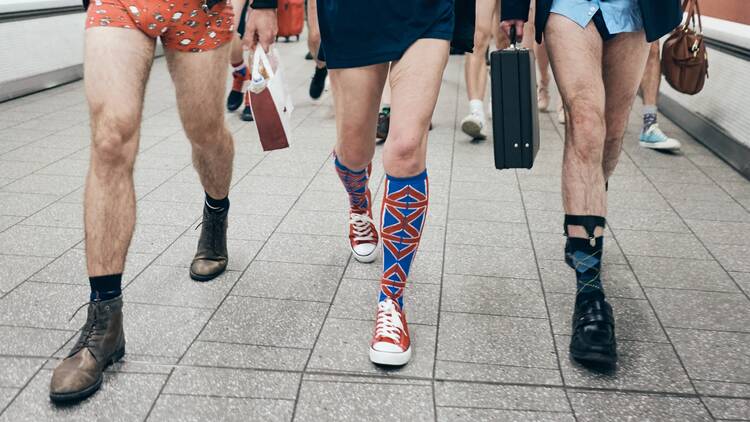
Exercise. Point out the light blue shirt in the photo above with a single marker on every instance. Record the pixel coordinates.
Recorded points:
(619, 15)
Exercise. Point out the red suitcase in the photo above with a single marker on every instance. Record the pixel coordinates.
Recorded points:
(291, 17)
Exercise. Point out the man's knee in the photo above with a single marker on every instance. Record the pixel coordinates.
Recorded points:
(482, 37)
(205, 131)
(404, 151)
(587, 129)
(114, 138)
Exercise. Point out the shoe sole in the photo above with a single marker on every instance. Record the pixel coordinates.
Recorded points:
(652, 146)
(595, 358)
(390, 358)
(474, 130)
(200, 277)
(366, 259)
(65, 398)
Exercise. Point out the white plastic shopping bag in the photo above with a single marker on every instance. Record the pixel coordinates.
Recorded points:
(269, 101)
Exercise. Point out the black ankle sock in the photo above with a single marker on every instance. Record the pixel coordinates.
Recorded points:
(217, 205)
(106, 287)
(586, 260)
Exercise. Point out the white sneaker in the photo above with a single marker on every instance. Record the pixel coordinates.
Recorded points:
(561, 116)
(363, 238)
(654, 138)
(473, 125)
(390, 345)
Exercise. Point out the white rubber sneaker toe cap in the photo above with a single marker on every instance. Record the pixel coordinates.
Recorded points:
(384, 353)
(365, 252)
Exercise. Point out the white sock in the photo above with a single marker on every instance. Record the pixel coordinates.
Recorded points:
(240, 67)
(476, 107)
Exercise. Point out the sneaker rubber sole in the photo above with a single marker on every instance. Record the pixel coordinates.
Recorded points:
(472, 129)
(390, 358)
(653, 145)
(366, 259)
(67, 398)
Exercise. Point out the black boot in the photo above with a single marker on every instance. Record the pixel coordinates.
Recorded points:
(211, 257)
(318, 82)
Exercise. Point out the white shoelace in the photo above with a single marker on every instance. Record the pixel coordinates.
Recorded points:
(362, 227)
(389, 321)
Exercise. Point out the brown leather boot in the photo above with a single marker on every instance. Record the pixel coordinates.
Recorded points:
(211, 257)
(102, 342)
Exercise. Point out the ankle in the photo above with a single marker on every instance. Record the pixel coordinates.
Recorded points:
(216, 205)
(105, 287)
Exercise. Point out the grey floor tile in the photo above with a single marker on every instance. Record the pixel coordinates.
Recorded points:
(263, 204)
(427, 268)
(6, 395)
(306, 249)
(490, 261)
(724, 389)
(725, 232)
(154, 239)
(357, 299)
(731, 257)
(168, 214)
(282, 280)
(343, 401)
(641, 366)
(8, 220)
(181, 252)
(723, 408)
(711, 210)
(38, 241)
(508, 397)
(60, 214)
(233, 383)
(272, 185)
(266, 322)
(16, 372)
(23, 341)
(634, 318)
(161, 330)
(203, 353)
(343, 347)
(70, 268)
(677, 273)
(670, 245)
(509, 235)
(702, 310)
(713, 355)
(123, 397)
(14, 270)
(493, 373)
(599, 406)
(637, 201)
(462, 414)
(652, 220)
(618, 280)
(325, 223)
(315, 200)
(23, 204)
(545, 221)
(743, 279)
(542, 201)
(490, 295)
(45, 185)
(44, 305)
(496, 340)
(478, 210)
(161, 285)
(485, 192)
(220, 409)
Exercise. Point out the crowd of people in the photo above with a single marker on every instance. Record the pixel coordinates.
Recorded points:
(385, 63)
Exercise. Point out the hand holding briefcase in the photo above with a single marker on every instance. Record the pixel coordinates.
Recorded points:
(515, 124)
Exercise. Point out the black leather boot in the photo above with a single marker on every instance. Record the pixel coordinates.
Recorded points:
(211, 257)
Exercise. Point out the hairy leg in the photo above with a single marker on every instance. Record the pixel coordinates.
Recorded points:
(576, 57)
(115, 99)
(357, 93)
(475, 67)
(237, 56)
(313, 31)
(621, 79)
(415, 84)
(651, 75)
(199, 80)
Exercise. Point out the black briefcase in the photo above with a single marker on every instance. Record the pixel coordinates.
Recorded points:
(515, 117)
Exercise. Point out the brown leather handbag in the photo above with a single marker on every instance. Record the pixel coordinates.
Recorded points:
(684, 61)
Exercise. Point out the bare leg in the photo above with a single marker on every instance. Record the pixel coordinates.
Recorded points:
(501, 41)
(356, 93)
(621, 78)
(475, 67)
(115, 102)
(199, 80)
(576, 57)
(385, 101)
(236, 55)
(651, 76)
(415, 84)
(313, 32)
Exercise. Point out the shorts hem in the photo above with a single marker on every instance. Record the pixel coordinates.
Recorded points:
(349, 62)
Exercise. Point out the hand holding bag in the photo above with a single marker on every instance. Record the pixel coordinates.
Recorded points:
(684, 61)
(271, 106)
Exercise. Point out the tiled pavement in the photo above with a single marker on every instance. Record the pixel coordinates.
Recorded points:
(283, 334)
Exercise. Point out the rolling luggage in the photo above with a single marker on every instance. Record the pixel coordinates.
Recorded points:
(291, 18)
(515, 124)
